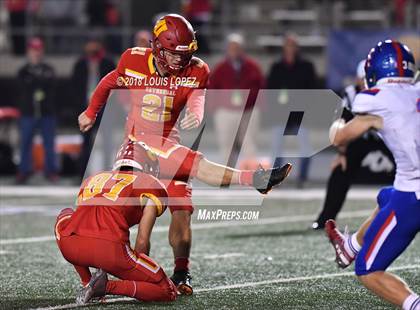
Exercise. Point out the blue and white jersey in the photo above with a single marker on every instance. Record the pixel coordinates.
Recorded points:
(399, 106)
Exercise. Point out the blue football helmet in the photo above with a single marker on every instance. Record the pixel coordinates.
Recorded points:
(389, 59)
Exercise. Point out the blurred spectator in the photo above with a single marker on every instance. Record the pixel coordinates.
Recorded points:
(198, 13)
(59, 13)
(400, 11)
(113, 40)
(37, 107)
(17, 20)
(351, 159)
(96, 11)
(87, 72)
(142, 38)
(236, 72)
(291, 72)
(60, 16)
(103, 15)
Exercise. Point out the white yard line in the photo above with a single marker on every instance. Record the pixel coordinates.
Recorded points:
(26, 240)
(297, 279)
(226, 255)
(39, 191)
(8, 209)
(247, 284)
(2, 252)
(211, 225)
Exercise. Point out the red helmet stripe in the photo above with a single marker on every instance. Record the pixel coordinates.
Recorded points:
(397, 48)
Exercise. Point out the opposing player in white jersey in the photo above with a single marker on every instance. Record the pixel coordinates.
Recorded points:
(391, 105)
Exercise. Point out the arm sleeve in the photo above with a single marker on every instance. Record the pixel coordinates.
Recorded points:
(196, 103)
(108, 82)
(196, 100)
(101, 93)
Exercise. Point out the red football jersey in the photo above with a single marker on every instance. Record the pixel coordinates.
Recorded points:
(156, 106)
(111, 202)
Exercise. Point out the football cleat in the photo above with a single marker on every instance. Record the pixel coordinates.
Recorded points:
(96, 288)
(265, 179)
(342, 257)
(182, 281)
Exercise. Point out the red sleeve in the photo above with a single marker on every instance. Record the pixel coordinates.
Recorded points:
(195, 103)
(101, 93)
(197, 98)
(108, 82)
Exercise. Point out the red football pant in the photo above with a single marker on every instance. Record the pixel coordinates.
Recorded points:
(179, 195)
(142, 278)
(176, 161)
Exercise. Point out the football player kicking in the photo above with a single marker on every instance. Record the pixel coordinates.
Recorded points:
(392, 106)
(97, 233)
(170, 78)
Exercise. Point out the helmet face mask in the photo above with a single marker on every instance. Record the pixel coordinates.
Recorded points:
(173, 43)
(177, 61)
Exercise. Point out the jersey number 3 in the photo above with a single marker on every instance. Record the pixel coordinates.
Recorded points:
(97, 184)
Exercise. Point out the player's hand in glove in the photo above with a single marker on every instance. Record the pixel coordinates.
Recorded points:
(85, 122)
(265, 179)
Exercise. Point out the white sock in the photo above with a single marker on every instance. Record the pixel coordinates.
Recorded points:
(352, 246)
(412, 302)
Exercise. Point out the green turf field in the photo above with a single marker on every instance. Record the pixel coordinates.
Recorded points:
(273, 263)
